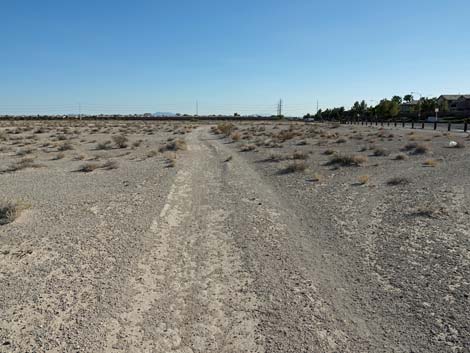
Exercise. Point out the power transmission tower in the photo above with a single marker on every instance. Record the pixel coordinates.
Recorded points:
(279, 108)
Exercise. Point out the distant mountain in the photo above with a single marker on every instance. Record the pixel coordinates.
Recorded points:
(163, 114)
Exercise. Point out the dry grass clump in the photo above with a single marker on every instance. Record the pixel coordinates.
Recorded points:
(398, 181)
(58, 156)
(23, 163)
(380, 152)
(247, 148)
(401, 157)
(416, 148)
(177, 145)
(347, 161)
(299, 155)
(341, 140)
(430, 163)
(236, 136)
(363, 179)
(151, 153)
(120, 141)
(24, 151)
(66, 146)
(295, 167)
(90, 167)
(104, 145)
(422, 149)
(9, 211)
(330, 152)
(225, 128)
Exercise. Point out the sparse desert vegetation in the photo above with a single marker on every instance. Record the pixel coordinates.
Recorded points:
(379, 213)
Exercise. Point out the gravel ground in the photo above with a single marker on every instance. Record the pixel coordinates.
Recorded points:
(230, 244)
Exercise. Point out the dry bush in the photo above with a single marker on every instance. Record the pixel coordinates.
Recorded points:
(398, 181)
(58, 156)
(9, 211)
(422, 149)
(137, 143)
(151, 153)
(88, 167)
(341, 140)
(247, 148)
(363, 179)
(120, 141)
(416, 148)
(430, 163)
(104, 145)
(236, 136)
(226, 128)
(24, 163)
(379, 152)
(66, 146)
(177, 145)
(400, 157)
(295, 167)
(347, 161)
(330, 152)
(299, 155)
(108, 165)
(302, 143)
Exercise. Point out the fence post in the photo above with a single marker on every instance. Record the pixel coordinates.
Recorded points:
(413, 124)
(395, 123)
(388, 122)
(403, 123)
(465, 126)
(435, 125)
(422, 125)
(448, 127)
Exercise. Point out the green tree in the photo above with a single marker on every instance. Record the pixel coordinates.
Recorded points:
(397, 99)
(408, 98)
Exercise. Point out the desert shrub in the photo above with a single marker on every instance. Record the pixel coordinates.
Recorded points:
(398, 181)
(295, 167)
(299, 155)
(347, 161)
(23, 163)
(226, 128)
(379, 152)
(430, 163)
(58, 156)
(66, 146)
(104, 145)
(88, 167)
(120, 141)
(247, 148)
(341, 140)
(400, 157)
(410, 146)
(329, 152)
(24, 151)
(151, 153)
(302, 143)
(236, 136)
(173, 146)
(137, 143)
(108, 165)
(422, 149)
(363, 179)
(9, 211)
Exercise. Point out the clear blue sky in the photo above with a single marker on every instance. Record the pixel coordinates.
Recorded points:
(241, 55)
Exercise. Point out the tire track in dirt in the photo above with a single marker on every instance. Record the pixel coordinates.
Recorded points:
(191, 294)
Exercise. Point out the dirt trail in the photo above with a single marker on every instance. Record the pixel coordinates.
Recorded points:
(218, 273)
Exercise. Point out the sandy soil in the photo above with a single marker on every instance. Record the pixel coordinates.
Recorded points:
(220, 247)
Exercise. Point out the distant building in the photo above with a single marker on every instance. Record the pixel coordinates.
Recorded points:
(454, 103)
(409, 107)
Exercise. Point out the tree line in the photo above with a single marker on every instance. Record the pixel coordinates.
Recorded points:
(385, 109)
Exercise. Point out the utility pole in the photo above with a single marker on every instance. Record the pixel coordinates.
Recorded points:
(317, 107)
(197, 108)
(79, 111)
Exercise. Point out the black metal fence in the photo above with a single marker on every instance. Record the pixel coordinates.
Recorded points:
(461, 126)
